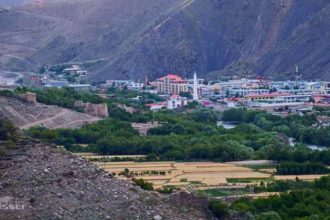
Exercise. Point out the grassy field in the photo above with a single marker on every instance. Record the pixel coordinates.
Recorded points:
(246, 180)
(219, 192)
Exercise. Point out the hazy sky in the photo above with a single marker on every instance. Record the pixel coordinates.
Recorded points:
(8, 3)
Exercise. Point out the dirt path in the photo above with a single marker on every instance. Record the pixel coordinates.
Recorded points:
(81, 120)
(39, 122)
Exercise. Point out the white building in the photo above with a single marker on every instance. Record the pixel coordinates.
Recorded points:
(135, 86)
(275, 99)
(176, 101)
(81, 87)
(75, 70)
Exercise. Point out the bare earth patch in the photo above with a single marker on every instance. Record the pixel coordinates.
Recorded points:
(26, 115)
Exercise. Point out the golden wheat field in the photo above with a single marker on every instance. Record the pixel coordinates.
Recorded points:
(181, 174)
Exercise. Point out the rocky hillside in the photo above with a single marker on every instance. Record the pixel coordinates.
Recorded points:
(133, 38)
(25, 115)
(42, 182)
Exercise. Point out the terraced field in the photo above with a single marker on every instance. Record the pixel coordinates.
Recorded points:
(183, 174)
(199, 175)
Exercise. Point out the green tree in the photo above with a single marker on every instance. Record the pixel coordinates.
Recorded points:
(218, 208)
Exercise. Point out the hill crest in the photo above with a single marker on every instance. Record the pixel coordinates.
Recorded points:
(121, 39)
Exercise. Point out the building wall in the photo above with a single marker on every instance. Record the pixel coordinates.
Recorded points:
(98, 110)
(171, 87)
(31, 97)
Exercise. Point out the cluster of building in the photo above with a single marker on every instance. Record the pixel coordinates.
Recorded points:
(64, 78)
(176, 89)
(178, 92)
(262, 93)
(251, 93)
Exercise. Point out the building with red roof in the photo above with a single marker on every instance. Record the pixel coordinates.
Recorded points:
(171, 84)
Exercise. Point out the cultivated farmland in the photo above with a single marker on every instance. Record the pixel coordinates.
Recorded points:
(183, 174)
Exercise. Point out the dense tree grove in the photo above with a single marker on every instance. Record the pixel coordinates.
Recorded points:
(299, 127)
(64, 97)
(218, 208)
(190, 134)
(309, 203)
(291, 168)
(183, 136)
(282, 186)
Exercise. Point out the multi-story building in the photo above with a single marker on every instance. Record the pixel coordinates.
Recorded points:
(176, 101)
(171, 84)
(242, 92)
(75, 70)
(275, 99)
(81, 87)
(137, 86)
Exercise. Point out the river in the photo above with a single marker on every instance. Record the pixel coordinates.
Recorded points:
(292, 142)
(227, 125)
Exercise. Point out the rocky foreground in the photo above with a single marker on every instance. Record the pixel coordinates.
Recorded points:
(38, 181)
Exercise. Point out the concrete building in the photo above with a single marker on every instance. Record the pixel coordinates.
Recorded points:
(75, 70)
(275, 99)
(55, 84)
(322, 99)
(81, 87)
(171, 84)
(136, 86)
(116, 83)
(242, 92)
(176, 101)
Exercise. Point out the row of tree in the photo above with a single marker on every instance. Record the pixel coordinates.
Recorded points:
(292, 168)
(311, 202)
(190, 136)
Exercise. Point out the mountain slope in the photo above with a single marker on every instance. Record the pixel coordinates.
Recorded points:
(134, 38)
(52, 184)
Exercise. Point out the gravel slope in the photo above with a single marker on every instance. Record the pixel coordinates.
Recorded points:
(53, 184)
